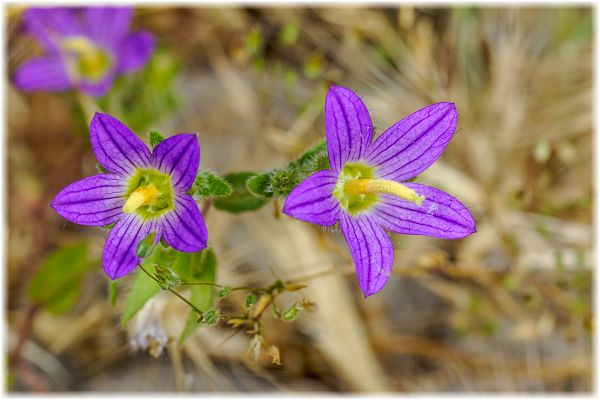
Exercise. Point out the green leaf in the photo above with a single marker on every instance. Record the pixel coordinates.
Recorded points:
(57, 283)
(209, 185)
(155, 138)
(197, 267)
(241, 200)
(143, 289)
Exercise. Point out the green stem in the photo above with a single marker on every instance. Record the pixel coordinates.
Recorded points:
(172, 291)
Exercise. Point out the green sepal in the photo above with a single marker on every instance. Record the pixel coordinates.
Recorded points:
(57, 283)
(101, 169)
(145, 246)
(260, 185)
(210, 185)
(241, 200)
(155, 138)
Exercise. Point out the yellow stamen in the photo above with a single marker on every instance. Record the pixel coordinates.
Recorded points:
(143, 196)
(367, 186)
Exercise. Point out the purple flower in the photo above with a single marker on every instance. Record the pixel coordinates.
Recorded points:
(142, 192)
(84, 49)
(366, 189)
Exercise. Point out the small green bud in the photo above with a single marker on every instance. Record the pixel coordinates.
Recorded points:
(292, 313)
(250, 299)
(155, 138)
(167, 278)
(224, 292)
(145, 246)
(279, 285)
(211, 317)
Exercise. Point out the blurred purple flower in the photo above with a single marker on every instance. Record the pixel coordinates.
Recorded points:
(363, 189)
(84, 49)
(141, 192)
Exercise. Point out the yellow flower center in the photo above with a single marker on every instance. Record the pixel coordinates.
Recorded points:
(358, 188)
(86, 60)
(143, 196)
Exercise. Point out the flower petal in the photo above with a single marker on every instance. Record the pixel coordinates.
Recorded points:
(50, 25)
(312, 200)
(348, 127)
(119, 256)
(371, 249)
(108, 25)
(116, 147)
(411, 145)
(97, 200)
(184, 228)
(135, 51)
(100, 88)
(178, 156)
(440, 215)
(43, 73)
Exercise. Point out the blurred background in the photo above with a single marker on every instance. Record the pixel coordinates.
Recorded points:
(507, 309)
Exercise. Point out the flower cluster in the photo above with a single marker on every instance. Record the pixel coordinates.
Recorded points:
(84, 49)
(366, 190)
(146, 195)
(142, 192)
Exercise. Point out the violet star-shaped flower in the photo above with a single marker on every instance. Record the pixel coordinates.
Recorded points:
(84, 49)
(366, 189)
(142, 192)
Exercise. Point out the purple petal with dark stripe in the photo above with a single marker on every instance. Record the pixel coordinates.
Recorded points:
(184, 228)
(50, 25)
(135, 51)
(119, 256)
(440, 215)
(97, 200)
(108, 25)
(43, 73)
(411, 145)
(116, 147)
(313, 201)
(178, 156)
(371, 249)
(348, 127)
